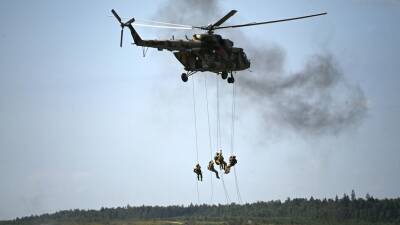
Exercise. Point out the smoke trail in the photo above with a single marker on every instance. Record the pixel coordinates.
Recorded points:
(316, 100)
(189, 12)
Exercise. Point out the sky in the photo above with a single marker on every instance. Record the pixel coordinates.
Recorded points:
(86, 124)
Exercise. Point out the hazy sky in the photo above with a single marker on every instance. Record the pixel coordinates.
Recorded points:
(85, 124)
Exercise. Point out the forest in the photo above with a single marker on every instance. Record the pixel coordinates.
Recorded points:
(344, 210)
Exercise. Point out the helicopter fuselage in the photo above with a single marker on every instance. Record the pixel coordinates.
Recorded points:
(213, 60)
(204, 52)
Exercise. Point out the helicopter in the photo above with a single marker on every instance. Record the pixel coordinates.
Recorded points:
(205, 52)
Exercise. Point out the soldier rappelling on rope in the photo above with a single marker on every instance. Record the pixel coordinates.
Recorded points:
(197, 171)
(232, 162)
(219, 160)
(212, 169)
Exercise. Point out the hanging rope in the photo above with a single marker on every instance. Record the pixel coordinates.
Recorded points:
(210, 140)
(198, 193)
(218, 120)
(233, 118)
(233, 138)
(237, 187)
(208, 117)
(219, 142)
(195, 123)
(195, 136)
(228, 199)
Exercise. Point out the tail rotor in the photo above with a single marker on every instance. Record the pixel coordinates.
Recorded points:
(122, 36)
(123, 25)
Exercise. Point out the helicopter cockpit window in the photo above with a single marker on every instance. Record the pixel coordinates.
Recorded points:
(244, 55)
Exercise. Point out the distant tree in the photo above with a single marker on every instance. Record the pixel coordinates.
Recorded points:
(313, 211)
(353, 195)
(367, 196)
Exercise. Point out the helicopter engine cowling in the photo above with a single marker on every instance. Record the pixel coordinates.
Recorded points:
(228, 43)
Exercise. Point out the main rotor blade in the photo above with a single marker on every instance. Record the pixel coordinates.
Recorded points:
(267, 22)
(223, 19)
(161, 26)
(116, 15)
(122, 37)
(165, 23)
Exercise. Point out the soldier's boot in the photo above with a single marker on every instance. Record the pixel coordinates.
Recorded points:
(216, 174)
(227, 169)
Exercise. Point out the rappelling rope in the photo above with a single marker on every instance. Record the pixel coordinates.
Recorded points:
(210, 140)
(239, 196)
(219, 142)
(198, 193)
(218, 119)
(233, 117)
(208, 118)
(195, 135)
(233, 138)
(195, 123)
(227, 198)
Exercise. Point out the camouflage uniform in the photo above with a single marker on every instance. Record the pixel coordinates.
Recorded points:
(219, 160)
(212, 169)
(216, 158)
(197, 171)
(232, 162)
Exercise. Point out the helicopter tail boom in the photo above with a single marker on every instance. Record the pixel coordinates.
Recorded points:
(136, 38)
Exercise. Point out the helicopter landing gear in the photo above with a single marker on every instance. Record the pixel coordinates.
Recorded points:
(224, 75)
(184, 77)
(231, 79)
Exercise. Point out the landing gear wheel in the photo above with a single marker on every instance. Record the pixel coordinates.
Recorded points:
(231, 80)
(184, 77)
(224, 75)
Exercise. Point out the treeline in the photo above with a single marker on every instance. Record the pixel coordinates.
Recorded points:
(344, 210)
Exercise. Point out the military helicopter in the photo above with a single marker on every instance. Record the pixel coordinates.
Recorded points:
(204, 52)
